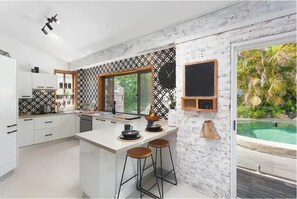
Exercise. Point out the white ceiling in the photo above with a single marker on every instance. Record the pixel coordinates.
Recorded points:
(87, 27)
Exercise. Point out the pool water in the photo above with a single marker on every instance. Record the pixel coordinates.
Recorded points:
(284, 132)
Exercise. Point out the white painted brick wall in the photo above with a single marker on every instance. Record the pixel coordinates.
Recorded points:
(233, 16)
(206, 164)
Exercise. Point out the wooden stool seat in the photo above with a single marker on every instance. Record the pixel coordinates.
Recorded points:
(139, 152)
(159, 143)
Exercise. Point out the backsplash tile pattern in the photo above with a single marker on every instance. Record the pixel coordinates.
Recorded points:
(87, 79)
(35, 105)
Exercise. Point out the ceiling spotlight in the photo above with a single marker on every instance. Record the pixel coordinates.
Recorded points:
(43, 30)
(50, 20)
(49, 26)
(54, 18)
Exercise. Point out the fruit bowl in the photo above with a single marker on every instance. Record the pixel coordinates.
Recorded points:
(152, 118)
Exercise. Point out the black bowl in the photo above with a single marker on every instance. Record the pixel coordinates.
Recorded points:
(130, 133)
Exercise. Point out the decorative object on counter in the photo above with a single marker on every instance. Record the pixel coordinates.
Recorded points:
(200, 96)
(35, 70)
(130, 134)
(151, 118)
(154, 128)
(128, 127)
(121, 139)
(208, 131)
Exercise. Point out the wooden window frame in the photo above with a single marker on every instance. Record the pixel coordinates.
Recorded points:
(74, 88)
(101, 78)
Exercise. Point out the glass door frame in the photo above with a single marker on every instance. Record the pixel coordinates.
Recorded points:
(235, 48)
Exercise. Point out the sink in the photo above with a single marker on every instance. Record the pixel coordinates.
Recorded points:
(103, 114)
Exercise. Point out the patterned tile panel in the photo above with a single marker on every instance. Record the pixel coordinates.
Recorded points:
(87, 79)
(35, 105)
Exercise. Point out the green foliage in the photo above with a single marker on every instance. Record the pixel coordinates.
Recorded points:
(129, 83)
(267, 78)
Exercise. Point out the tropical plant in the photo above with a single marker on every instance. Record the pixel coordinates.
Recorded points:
(267, 81)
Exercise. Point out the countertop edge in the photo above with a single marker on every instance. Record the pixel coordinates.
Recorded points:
(132, 144)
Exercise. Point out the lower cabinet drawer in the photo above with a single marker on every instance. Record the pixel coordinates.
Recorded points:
(45, 135)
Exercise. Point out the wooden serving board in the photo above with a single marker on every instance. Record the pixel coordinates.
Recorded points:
(127, 117)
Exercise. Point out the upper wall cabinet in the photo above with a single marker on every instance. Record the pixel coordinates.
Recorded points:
(25, 85)
(44, 81)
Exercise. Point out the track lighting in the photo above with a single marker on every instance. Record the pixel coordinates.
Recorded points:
(50, 20)
(54, 18)
(49, 26)
(43, 30)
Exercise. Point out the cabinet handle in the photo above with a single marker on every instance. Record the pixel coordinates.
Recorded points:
(102, 120)
(49, 122)
(40, 86)
(28, 120)
(98, 119)
(9, 126)
(113, 122)
(9, 132)
(25, 96)
(49, 87)
(49, 134)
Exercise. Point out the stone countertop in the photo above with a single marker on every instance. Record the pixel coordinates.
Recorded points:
(47, 115)
(106, 138)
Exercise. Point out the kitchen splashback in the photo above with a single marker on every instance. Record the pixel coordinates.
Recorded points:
(35, 105)
(87, 79)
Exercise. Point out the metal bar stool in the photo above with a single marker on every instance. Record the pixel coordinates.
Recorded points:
(160, 144)
(140, 153)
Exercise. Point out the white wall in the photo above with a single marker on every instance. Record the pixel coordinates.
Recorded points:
(29, 57)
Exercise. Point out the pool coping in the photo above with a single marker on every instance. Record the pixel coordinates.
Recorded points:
(264, 146)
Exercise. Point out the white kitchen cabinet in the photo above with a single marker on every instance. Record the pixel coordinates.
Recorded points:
(77, 123)
(44, 81)
(99, 123)
(67, 128)
(8, 115)
(26, 132)
(25, 85)
(45, 135)
(38, 81)
(47, 122)
(51, 81)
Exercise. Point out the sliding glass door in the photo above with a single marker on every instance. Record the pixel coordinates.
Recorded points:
(266, 119)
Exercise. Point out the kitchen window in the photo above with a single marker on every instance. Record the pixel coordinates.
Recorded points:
(66, 92)
(132, 91)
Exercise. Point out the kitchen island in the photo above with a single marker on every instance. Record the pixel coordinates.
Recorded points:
(102, 156)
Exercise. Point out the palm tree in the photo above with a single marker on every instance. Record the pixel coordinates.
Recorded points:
(267, 76)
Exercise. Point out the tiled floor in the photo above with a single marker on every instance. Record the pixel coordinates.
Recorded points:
(50, 170)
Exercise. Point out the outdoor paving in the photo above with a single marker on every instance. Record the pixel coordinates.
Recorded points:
(253, 185)
(270, 164)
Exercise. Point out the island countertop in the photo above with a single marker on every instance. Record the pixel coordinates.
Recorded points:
(107, 138)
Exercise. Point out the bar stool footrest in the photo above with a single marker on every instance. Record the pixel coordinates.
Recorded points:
(166, 179)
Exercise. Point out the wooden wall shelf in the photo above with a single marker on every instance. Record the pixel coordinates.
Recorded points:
(203, 104)
(200, 86)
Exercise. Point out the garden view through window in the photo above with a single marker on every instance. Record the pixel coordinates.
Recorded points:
(266, 122)
(131, 92)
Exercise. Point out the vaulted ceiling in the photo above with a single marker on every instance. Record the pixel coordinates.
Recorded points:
(90, 26)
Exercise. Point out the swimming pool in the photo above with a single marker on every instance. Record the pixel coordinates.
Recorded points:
(276, 131)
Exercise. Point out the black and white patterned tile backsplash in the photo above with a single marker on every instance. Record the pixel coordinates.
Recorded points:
(35, 105)
(87, 79)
